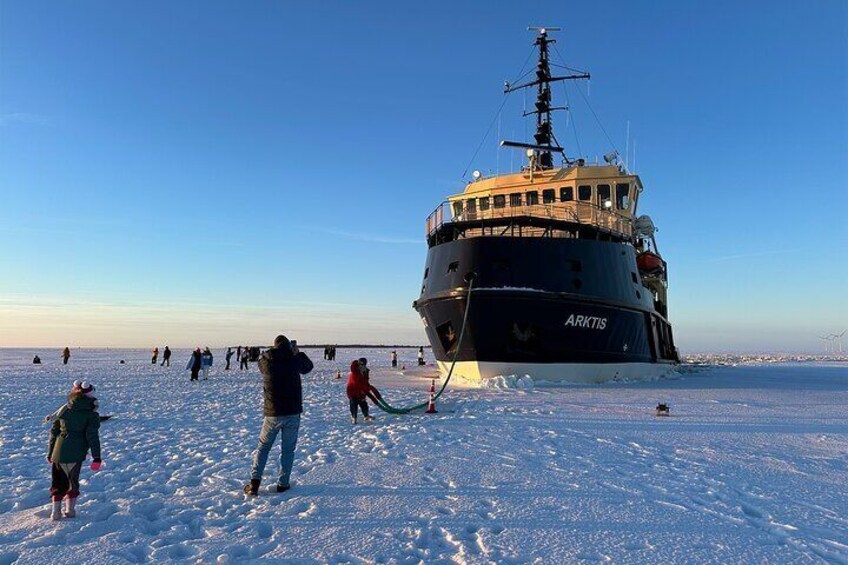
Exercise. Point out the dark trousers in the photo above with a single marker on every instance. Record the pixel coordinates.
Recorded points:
(194, 372)
(166, 360)
(394, 362)
(360, 404)
(65, 480)
(227, 368)
(64, 360)
(154, 360)
(243, 364)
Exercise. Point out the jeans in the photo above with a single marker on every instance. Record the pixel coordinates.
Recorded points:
(287, 426)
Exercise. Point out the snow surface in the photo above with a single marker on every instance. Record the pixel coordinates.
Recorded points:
(751, 467)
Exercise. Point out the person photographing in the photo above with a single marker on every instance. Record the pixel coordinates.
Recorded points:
(281, 367)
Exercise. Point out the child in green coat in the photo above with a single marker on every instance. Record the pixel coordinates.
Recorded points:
(74, 432)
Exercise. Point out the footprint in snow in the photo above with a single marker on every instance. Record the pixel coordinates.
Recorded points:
(304, 509)
(264, 530)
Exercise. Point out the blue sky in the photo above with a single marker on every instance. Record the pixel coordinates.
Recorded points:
(211, 172)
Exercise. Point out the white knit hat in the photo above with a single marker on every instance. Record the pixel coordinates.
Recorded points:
(83, 387)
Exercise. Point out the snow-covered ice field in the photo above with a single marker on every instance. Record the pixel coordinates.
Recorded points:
(751, 467)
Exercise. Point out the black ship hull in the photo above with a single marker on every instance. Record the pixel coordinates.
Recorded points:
(555, 308)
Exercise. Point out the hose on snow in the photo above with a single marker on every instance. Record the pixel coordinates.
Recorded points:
(386, 407)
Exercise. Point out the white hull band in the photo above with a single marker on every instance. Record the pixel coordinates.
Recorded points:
(476, 371)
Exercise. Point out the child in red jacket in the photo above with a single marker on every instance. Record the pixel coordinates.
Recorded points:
(357, 391)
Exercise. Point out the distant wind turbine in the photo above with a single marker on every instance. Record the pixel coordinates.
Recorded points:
(828, 342)
(838, 338)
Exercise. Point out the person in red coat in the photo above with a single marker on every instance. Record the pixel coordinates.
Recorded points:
(357, 391)
(371, 391)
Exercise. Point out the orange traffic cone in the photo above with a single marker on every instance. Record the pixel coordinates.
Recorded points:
(433, 386)
(431, 406)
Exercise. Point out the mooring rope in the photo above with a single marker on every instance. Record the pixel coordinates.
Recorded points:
(386, 407)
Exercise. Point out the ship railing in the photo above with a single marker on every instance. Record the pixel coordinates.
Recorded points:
(578, 212)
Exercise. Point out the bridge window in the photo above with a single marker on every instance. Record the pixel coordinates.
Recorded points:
(584, 192)
(484, 203)
(471, 205)
(549, 196)
(452, 267)
(566, 193)
(622, 196)
(499, 201)
(603, 195)
(531, 198)
(515, 199)
(457, 208)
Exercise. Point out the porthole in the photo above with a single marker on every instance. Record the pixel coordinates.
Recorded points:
(638, 295)
(633, 276)
(577, 283)
(452, 267)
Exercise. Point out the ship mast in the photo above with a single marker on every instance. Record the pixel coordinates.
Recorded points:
(544, 135)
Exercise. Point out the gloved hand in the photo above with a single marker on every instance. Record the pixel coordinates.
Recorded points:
(95, 465)
(49, 462)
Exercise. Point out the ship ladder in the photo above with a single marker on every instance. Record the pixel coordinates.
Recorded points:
(386, 407)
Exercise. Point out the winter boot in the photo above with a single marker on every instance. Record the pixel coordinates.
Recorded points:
(353, 419)
(252, 488)
(369, 418)
(281, 488)
(56, 512)
(70, 505)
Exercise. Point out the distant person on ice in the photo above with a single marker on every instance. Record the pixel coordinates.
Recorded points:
(357, 391)
(245, 354)
(229, 356)
(194, 364)
(421, 356)
(66, 354)
(394, 358)
(281, 367)
(155, 355)
(36, 360)
(206, 363)
(166, 356)
(72, 435)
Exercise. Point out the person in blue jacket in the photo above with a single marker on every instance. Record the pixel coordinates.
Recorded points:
(206, 362)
